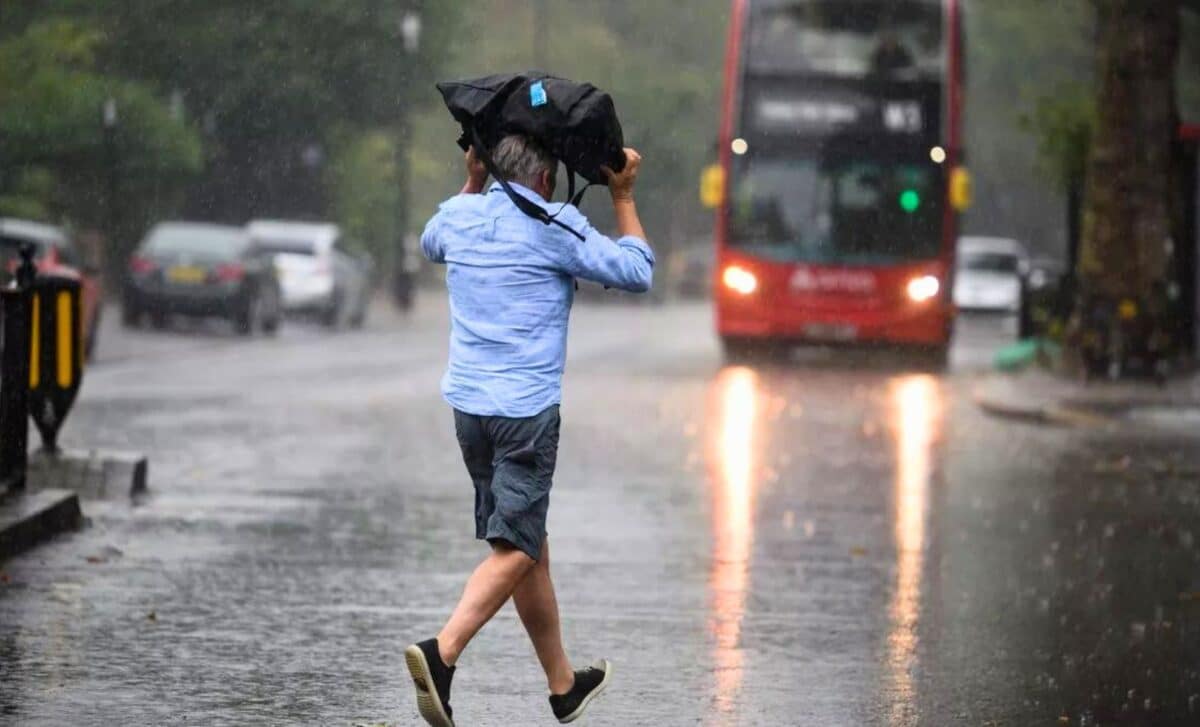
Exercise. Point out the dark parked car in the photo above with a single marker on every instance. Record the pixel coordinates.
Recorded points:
(205, 271)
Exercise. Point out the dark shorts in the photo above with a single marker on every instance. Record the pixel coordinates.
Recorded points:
(511, 462)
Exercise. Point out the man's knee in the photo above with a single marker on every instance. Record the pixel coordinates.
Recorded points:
(513, 556)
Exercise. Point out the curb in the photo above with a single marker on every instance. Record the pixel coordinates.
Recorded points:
(29, 519)
(1044, 414)
(97, 474)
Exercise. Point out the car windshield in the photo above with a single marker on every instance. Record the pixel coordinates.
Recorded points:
(847, 212)
(10, 248)
(856, 38)
(208, 241)
(989, 262)
(285, 245)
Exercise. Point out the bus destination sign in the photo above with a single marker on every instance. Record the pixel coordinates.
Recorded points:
(778, 110)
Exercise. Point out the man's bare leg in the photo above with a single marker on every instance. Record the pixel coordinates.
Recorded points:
(538, 609)
(487, 589)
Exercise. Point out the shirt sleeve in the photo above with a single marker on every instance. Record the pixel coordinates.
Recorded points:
(626, 263)
(431, 243)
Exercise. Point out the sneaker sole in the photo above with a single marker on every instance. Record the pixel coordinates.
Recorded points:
(428, 702)
(608, 670)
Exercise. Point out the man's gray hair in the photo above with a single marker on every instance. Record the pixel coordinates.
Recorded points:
(522, 160)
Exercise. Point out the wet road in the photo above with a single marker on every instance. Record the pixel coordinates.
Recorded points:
(830, 541)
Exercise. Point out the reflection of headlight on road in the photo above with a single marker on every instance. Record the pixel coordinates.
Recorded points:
(923, 288)
(739, 279)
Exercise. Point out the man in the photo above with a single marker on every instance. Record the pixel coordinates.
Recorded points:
(512, 281)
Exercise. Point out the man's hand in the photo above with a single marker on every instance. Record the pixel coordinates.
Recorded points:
(620, 184)
(477, 173)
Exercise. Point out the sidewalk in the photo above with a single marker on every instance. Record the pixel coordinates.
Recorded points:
(1042, 397)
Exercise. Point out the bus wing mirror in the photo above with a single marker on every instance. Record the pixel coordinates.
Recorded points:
(960, 189)
(712, 186)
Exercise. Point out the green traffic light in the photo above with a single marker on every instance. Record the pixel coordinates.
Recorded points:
(910, 200)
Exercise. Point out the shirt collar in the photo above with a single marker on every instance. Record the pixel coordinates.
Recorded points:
(521, 190)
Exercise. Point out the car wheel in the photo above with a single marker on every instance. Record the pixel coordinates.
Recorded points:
(935, 359)
(159, 320)
(332, 317)
(742, 350)
(249, 318)
(272, 313)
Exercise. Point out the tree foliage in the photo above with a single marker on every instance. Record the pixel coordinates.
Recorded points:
(52, 139)
(252, 109)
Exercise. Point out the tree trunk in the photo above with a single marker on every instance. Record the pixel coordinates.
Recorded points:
(1127, 209)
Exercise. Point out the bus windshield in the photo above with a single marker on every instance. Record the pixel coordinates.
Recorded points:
(849, 38)
(846, 212)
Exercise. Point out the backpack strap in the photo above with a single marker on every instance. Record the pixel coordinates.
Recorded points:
(573, 198)
(577, 198)
(526, 205)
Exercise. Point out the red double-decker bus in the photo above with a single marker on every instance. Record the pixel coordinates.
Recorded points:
(840, 146)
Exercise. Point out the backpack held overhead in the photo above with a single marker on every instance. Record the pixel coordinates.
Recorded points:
(575, 122)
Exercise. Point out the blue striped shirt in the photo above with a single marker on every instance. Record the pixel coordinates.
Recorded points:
(511, 284)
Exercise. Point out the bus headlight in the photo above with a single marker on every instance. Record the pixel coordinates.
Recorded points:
(739, 279)
(923, 288)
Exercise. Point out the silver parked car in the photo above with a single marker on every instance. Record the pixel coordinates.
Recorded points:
(318, 272)
(988, 274)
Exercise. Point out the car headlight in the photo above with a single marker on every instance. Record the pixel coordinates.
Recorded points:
(739, 279)
(923, 288)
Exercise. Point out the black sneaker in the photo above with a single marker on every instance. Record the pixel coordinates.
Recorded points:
(426, 667)
(589, 683)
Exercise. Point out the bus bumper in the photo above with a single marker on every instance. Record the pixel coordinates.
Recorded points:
(922, 324)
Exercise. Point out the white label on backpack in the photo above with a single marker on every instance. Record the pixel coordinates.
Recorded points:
(537, 94)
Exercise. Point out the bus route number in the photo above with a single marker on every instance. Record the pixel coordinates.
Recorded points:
(903, 117)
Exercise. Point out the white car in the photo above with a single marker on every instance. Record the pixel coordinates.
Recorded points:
(317, 274)
(988, 274)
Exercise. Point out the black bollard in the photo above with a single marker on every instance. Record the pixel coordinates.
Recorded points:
(14, 370)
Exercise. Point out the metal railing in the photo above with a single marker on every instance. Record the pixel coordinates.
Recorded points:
(41, 363)
(16, 329)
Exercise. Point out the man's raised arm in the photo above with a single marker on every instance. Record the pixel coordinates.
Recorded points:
(628, 262)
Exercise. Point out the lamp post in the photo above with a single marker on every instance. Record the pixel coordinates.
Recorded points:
(410, 32)
(409, 27)
(110, 118)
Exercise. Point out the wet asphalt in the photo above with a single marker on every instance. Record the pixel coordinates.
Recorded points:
(836, 539)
